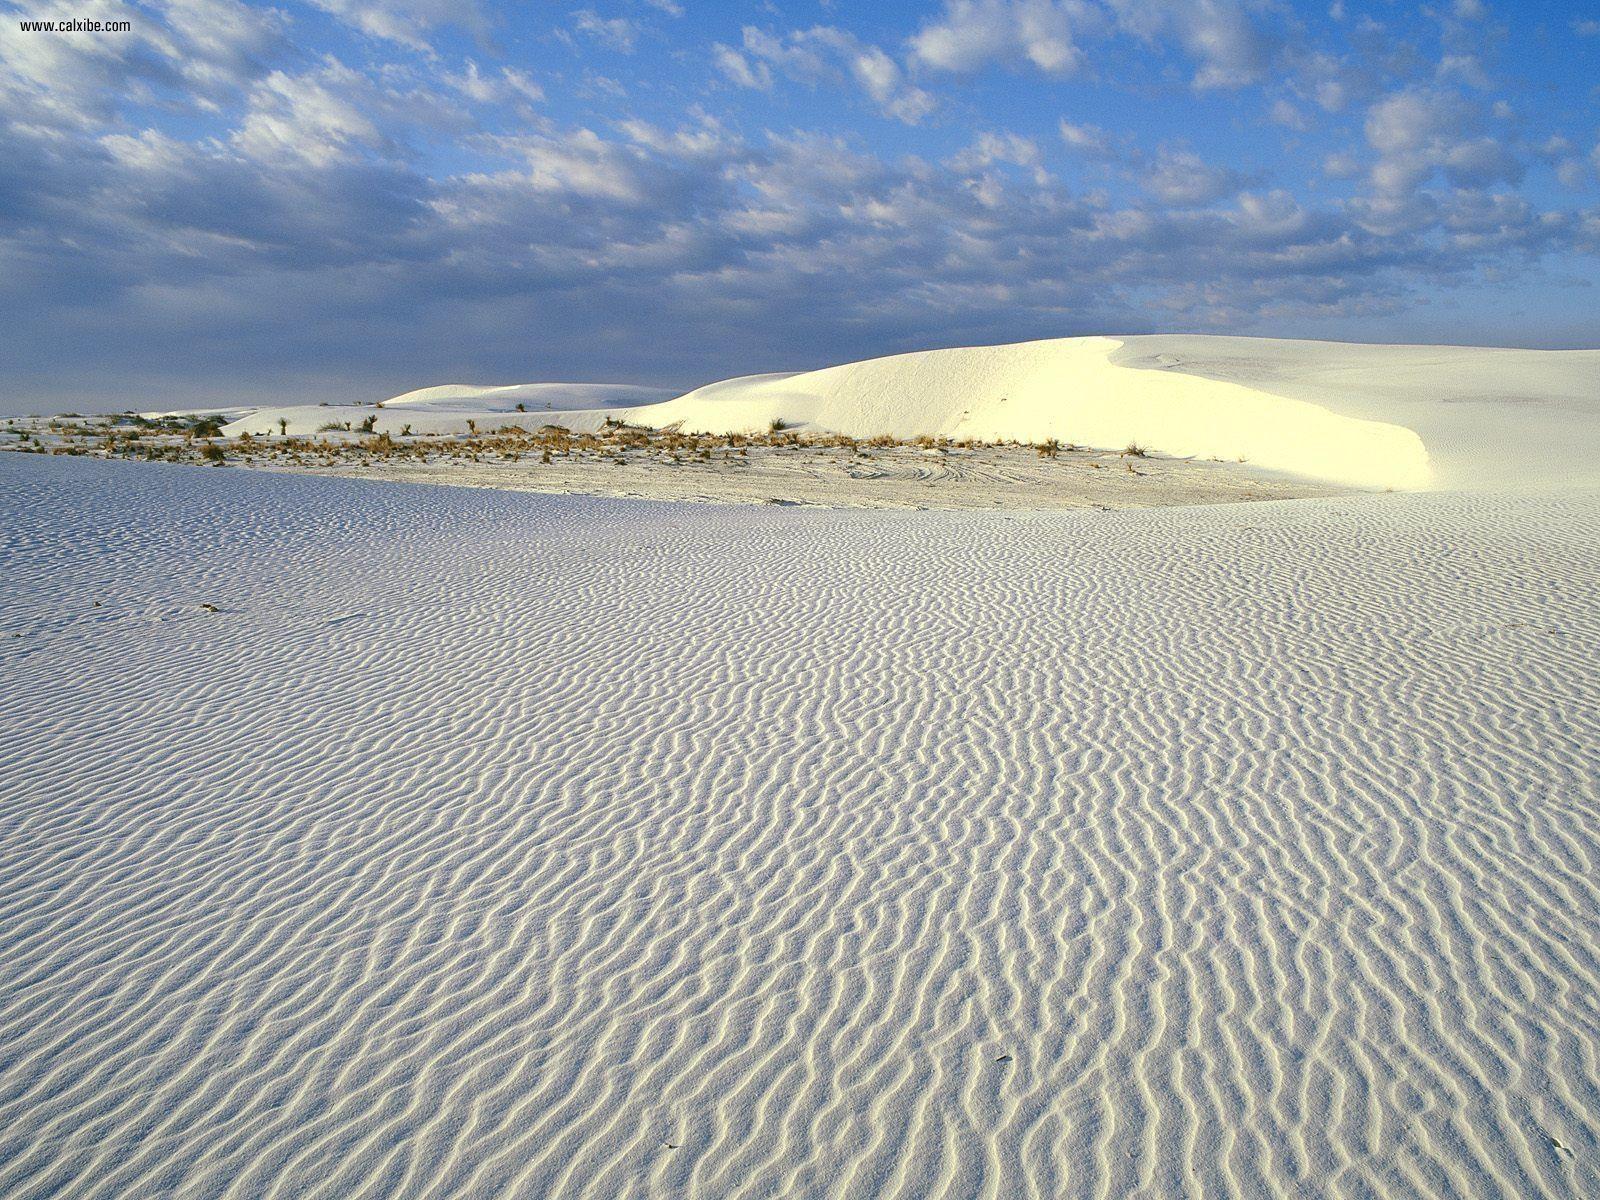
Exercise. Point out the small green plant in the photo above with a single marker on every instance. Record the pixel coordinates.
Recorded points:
(778, 425)
(405, 431)
(1049, 448)
(1135, 450)
(369, 424)
(522, 408)
(283, 426)
(212, 453)
(206, 427)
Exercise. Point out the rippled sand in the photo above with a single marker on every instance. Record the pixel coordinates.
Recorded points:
(504, 845)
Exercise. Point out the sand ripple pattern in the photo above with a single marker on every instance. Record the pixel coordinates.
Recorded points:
(486, 844)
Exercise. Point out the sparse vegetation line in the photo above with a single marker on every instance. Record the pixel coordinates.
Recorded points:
(668, 463)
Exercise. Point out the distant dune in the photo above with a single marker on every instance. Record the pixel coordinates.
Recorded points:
(447, 408)
(1407, 417)
(465, 397)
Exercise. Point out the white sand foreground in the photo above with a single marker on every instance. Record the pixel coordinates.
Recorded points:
(472, 843)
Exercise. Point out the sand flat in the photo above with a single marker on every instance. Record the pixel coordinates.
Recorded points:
(904, 476)
(495, 844)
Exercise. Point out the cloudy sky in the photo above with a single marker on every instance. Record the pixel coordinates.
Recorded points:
(340, 200)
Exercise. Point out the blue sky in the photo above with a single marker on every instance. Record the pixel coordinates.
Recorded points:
(334, 200)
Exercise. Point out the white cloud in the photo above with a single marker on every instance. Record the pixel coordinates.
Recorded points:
(1286, 114)
(881, 78)
(222, 42)
(1275, 214)
(821, 55)
(765, 223)
(1341, 166)
(1478, 162)
(1464, 67)
(318, 118)
(971, 34)
(704, 142)
(148, 151)
(992, 148)
(407, 22)
(1332, 95)
(618, 33)
(194, 54)
(584, 164)
(747, 74)
(1088, 140)
(507, 84)
(579, 163)
(1585, 27)
(1409, 121)
(1420, 131)
(1222, 36)
(1183, 177)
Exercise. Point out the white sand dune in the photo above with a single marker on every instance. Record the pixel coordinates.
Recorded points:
(485, 844)
(1407, 417)
(1490, 418)
(447, 408)
(546, 397)
(1073, 389)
